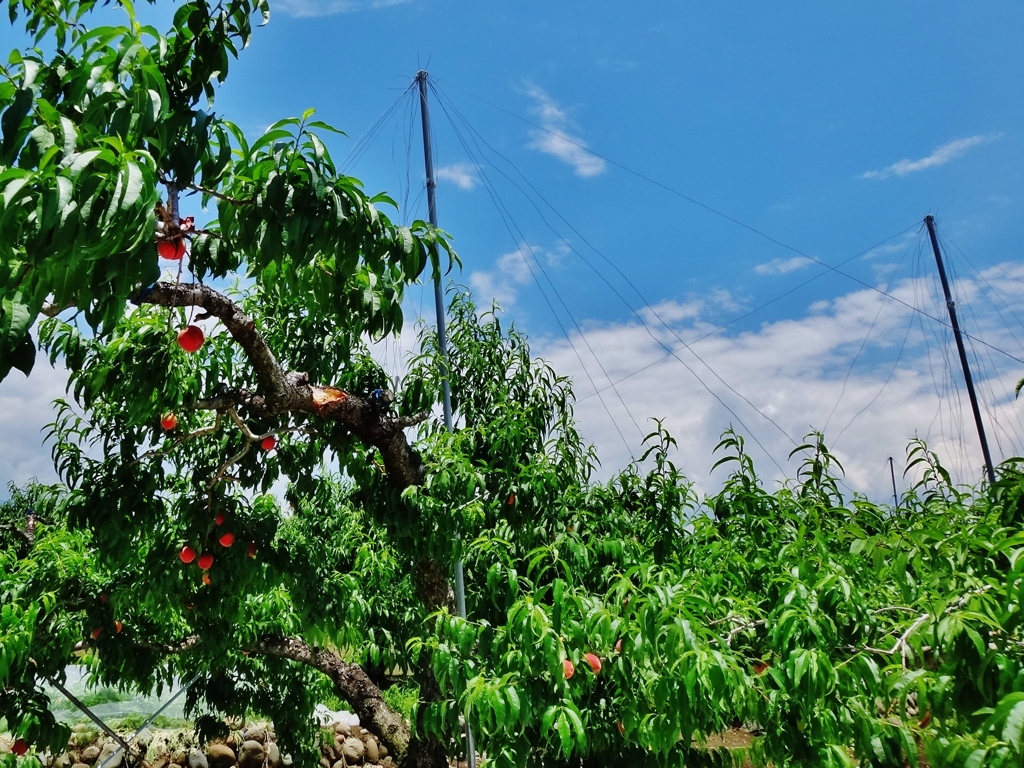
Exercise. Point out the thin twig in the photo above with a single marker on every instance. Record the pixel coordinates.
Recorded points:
(219, 195)
(742, 627)
(242, 425)
(179, 440)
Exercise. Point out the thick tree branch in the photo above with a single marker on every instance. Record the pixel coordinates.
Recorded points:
(281, 391)
(353, 684)
(240, 326)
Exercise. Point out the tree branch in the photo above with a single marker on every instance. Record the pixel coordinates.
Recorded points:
(218, 195)
(353, 684)
(281, 391)
(240, 326)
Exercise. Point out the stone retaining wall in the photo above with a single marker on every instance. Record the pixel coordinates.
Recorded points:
(343, 746)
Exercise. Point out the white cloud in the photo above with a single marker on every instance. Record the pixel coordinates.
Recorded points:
(942, 155)
(462, 175)
(305, 9)
(782, 266)
(511, 271)
(25, 410)
(554, 138)
(793, 371)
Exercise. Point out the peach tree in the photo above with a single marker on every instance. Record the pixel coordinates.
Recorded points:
(248, 497)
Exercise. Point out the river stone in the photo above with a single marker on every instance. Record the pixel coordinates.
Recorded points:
(160, 762)
(286, 761)
(62, 761)
(342, 730)
(333, 751)
(251, 754)
(220, 756)
(382, 751)
(372, 753)
(79, 765)
(90, 753)
(353, 749)
(387, 762)
(108, 750)
(325, 763)
(340, 764)
(273, 755)
(197, 759)
(256, 733)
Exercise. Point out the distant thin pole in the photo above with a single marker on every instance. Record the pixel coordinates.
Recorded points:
(892, 473)
(442, 341)
(929, 222)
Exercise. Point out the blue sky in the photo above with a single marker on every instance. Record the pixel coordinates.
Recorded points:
(828, 127)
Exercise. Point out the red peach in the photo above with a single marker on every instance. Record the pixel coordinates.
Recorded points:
(268, 443)
(187, 554)
(593, 661)
(205, 561)
(168, 421)
(19, 747)
(172, 250)
(568, 668)
(191, 338)
(227, 539)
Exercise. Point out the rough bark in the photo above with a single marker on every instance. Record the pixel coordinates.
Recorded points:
(280, 391)
(353, 684)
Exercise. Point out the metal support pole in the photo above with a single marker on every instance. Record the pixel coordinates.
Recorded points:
(88, 713)
(152, 717)
(892, 474)
(929, 222)
(442, 340)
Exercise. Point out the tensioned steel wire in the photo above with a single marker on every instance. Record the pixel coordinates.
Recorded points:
(450, 109)
(881, 307)
(991, 377)
(374, 132)
(723, 215)
(648, 306)
(520, 242)
(942, 390)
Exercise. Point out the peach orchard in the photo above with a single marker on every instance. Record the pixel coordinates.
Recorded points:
(609, 623)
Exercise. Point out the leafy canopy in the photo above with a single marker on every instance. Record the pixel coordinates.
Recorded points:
(834, 631)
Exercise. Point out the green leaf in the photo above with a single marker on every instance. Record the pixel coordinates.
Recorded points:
(23, 357)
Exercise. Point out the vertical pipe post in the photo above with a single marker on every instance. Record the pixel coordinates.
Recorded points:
(892, 474)
(929, 222)
(442, 341)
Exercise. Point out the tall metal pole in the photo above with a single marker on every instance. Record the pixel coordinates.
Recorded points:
(929, 222)
(892, 474)
(442, 341)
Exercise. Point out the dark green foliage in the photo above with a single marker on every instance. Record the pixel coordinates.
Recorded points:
(839, 631)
